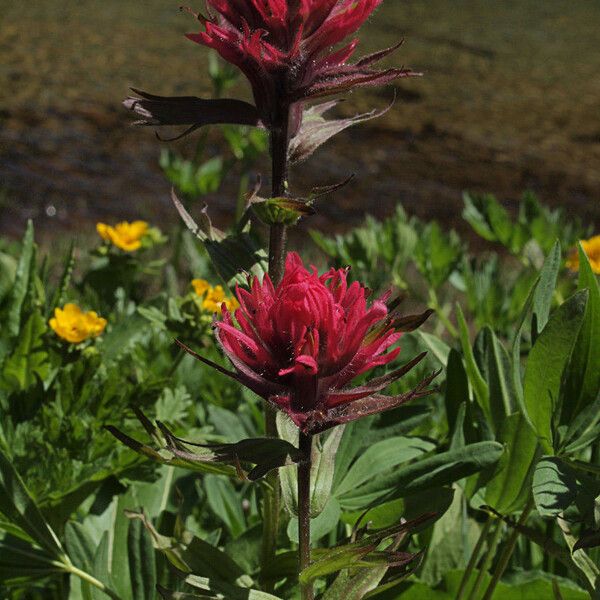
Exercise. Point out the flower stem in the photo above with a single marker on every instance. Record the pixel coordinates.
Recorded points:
(84, 576)
(306, 590)
(466, 578)
(507, 553)
(487, 560)
(277, 240)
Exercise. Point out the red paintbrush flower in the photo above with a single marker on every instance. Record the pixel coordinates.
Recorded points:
(291, 51)
(300, 344)
(288, 49)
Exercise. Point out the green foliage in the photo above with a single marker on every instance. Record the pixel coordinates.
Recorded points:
(94, 519)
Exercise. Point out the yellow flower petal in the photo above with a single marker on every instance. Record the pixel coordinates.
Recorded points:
(75, 326)
(201, 286)
(591, 248)
(124, 235)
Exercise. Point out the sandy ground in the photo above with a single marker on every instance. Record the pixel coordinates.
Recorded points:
(508, 103)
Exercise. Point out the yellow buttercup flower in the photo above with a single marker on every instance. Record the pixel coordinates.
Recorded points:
(201, 286)
(591, 248)
(124, 235)
(73, 325)
(213, 297)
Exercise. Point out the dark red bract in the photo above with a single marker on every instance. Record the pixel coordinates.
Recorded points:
(300, 344)
(289, 50)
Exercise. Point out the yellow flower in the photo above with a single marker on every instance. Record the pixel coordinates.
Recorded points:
(200, 286)
(73, 325)
(213, 297)
(127, 236)
(591, 248)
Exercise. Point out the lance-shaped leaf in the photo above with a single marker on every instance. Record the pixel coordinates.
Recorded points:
(546, 365)
(234, 255)
(265, 453)
(366, 552)
(191, 555)
(210, 589)
(315, 129)
(189, 110)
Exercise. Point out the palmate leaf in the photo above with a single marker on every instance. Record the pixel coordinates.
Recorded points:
(29, 362)
(17, 505)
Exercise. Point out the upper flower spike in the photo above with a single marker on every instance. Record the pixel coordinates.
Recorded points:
(299, 346)
(289, 49)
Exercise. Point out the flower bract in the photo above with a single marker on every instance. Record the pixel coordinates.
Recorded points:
(299, 345)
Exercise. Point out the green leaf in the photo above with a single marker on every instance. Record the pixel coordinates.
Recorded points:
(322, 468)
(544, 290)
(325, 522)
(509, 487)
(80, 546)
(362, 553)
(101, 566)
(59, 296)
(435, 345)
(435, 501)
(8, 271)
(583, 377)
(226, 503)
(480, 387)
(457, 388)
(20, 562)
(558, 486)
(29, 362)
(22, 282)
(472, 213)
(380, 458)
(546, 365)
(142, 565)
(215, 589)
(497, 373)
(19, 507)
(427, 473)
(533, 585)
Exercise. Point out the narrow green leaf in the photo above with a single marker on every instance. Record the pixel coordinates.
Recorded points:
(544, 291)
(22, 281)
(80, 546)
(547, 363)
(426, 473)
(142, 565)
(457, 387)
(509, 487)
(20, 562)
(482, 393)
(382, 457)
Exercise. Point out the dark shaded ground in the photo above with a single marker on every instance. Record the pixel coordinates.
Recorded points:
(509, 102)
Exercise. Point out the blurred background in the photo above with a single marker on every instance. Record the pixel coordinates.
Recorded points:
(509, 102)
